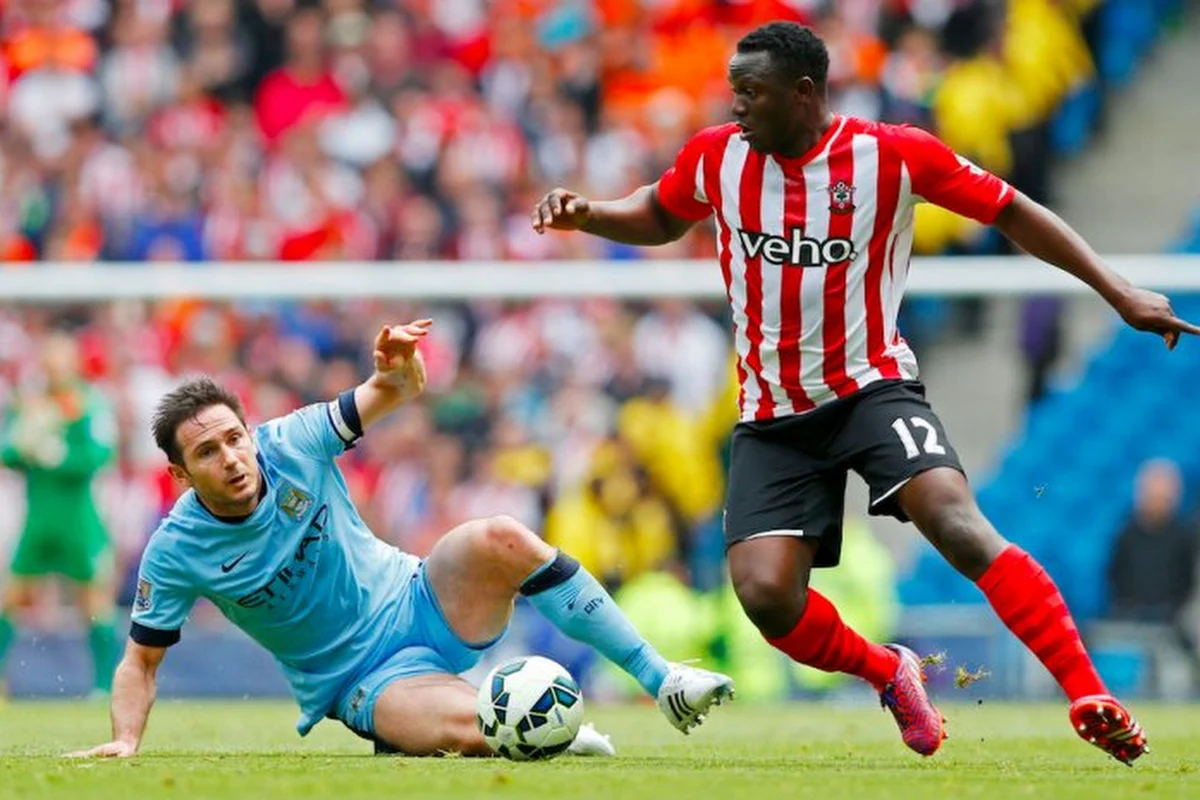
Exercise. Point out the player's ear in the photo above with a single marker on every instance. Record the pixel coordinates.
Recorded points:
(180, 474)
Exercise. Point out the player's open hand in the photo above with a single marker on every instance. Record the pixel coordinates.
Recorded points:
(397, 344)
(109, 750)
(1149, 311)
(397, 360)
(561, 210)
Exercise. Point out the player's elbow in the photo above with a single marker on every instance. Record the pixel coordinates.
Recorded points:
(670, 228)
(675, 233)
(1020, 216)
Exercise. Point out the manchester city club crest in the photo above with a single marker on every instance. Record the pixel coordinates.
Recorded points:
(294, 502)
(357, 699)
(144, 599)
(841, 198)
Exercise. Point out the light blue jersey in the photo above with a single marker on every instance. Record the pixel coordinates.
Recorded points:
(302, 575)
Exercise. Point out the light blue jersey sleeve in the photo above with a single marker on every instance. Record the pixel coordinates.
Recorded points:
(164, 598)
(321, 431)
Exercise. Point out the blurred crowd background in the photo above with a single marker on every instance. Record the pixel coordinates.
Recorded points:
(207, 131)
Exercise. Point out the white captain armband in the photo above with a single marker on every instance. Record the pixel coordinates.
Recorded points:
(343, 415)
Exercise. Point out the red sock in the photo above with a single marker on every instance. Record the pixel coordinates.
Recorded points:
(1029, 603)
(820, 639)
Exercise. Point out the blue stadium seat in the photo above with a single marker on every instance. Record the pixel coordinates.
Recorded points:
(1072, 125)
(1127, 29)
(1121, 668)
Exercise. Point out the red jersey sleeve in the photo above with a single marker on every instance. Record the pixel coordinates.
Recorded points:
(681, 187)
(944, 178)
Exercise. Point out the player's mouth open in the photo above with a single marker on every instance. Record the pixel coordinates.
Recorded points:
(239, 481)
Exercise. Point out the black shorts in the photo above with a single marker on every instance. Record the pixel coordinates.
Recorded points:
(787, 477)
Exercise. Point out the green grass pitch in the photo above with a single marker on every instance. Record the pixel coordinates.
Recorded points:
(232, 750)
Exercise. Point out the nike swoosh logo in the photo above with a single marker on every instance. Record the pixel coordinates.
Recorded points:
(229, 567)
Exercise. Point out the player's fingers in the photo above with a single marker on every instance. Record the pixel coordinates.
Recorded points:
(100, 751)
(1171, 338)
(539, 219)
(116, 751)
(406, 335)
(556, 204)
(419, 327)
(381, 338)
(1183, 326)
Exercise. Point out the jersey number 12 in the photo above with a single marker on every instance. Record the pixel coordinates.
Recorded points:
(905, 433)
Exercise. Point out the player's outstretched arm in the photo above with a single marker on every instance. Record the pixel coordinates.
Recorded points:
(638, 218)
(1043, 234)
(399, 372)
(134, 688)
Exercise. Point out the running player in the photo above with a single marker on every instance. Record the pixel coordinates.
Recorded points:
(814, 214)
(364, 633)
(59, 438)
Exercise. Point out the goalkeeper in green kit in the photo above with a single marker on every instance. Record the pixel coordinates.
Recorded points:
(59, 438)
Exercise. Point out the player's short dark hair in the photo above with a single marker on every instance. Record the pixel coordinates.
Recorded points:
(184, 402)
(794, 49)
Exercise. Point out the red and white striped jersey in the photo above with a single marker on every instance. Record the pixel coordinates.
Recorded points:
(815, 250)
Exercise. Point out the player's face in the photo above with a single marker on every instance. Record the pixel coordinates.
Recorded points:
(768, 107)
(219, 461)
(60, 361)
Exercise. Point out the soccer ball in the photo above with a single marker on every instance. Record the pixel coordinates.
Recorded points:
(529, 709)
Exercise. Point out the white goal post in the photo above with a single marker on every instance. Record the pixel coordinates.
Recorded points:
(464, 280)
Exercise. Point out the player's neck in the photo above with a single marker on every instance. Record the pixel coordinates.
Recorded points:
(236, 519)
(810, 135)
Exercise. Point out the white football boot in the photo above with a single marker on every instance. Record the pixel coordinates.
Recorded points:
(591, 742)
(688, 692)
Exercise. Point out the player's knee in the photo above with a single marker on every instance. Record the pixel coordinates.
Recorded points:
(506, 538)
(773, 603)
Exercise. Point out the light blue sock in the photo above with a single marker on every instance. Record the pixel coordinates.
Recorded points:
(576, 604)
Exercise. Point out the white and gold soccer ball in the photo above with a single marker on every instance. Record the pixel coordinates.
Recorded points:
(529, 708)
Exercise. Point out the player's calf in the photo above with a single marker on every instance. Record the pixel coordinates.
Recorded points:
(573, 601)
(941, 505)
(426, 715)
(433, 737)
